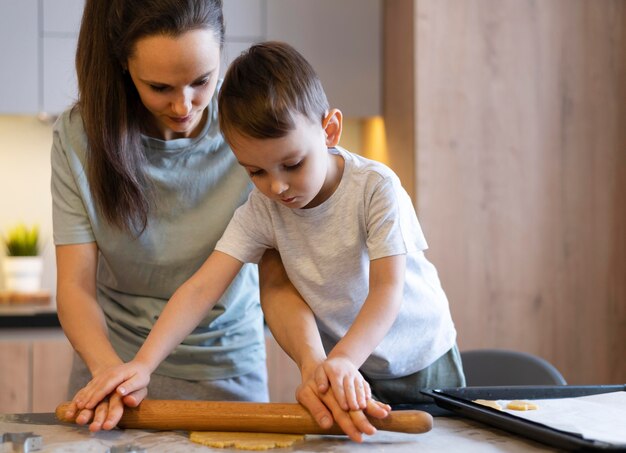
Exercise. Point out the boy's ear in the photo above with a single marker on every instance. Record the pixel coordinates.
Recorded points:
(332, 124)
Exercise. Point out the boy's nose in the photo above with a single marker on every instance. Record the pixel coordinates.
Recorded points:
(277, 186)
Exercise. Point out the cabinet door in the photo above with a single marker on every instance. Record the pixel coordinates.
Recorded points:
(60, 88)
(61, 24)
(19, 57)
(342, 39)
(14, 376)
(52, 364)
(245, 25)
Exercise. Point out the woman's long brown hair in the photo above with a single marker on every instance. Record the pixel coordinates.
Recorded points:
(111, 110)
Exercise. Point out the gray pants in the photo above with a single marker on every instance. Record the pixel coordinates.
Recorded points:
(446, 371)
(249, 387)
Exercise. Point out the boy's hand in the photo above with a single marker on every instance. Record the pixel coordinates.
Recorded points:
(105, 394)
(326, 410)
(351, 390)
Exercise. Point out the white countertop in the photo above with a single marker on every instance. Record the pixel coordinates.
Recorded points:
(448, 434)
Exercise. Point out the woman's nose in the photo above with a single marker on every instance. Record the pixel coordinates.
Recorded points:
(182, 105)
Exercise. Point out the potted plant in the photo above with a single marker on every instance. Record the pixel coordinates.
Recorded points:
(22, 264)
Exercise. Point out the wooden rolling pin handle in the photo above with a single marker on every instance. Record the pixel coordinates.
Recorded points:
(247, 417)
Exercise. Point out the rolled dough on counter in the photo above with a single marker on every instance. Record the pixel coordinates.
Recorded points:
(244, 441)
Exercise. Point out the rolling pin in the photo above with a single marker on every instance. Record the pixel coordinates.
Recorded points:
(288, 418)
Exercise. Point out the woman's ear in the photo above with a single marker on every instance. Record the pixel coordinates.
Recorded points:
(332, 124)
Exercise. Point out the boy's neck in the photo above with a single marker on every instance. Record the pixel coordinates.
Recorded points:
(336, 166)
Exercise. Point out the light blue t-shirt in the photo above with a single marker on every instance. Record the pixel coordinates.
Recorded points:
(198, 185)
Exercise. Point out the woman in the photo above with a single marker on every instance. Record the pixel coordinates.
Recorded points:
(143, 185)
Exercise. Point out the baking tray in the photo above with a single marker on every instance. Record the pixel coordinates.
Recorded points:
(459, 401)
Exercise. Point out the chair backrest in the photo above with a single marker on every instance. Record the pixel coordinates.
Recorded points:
(493, 367)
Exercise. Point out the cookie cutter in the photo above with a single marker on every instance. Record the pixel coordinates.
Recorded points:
(23, 442)
(126, 448)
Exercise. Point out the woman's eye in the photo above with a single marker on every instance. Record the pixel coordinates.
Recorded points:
(255, 172)
(158, 88)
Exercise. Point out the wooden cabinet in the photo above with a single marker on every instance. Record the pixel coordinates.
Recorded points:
(35, 366)
(14, 376)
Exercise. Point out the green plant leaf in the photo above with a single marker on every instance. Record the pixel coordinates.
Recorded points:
(22, 241)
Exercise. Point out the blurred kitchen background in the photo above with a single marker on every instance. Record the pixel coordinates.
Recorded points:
(505, 120)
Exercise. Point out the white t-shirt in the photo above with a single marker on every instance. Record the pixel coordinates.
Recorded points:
(326, 251)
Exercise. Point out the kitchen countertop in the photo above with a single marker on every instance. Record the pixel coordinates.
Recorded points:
(448, 433)
(24, 316)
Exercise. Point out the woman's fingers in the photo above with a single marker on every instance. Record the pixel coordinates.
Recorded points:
(321, 379)
(134, 383)
(308, 398)
(377, 409)
(362, 423)
(114, 413)
(134, 398)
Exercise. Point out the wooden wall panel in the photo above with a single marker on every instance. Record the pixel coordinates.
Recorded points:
(521, 174)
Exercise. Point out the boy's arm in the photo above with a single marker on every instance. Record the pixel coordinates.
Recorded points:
(293, 325)
(378, 313)
(182, 313)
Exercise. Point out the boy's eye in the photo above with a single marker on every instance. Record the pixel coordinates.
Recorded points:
(293, 167)
(201, 82)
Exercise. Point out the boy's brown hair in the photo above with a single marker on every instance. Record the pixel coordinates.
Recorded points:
(264, 87)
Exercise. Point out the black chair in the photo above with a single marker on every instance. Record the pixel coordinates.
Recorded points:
(495, 367)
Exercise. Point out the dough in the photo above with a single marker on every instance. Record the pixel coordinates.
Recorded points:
(519, 405)
(244, 441)
(489, 403)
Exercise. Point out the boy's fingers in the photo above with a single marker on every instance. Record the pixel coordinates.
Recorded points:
(84, 416)
(350, 393)
(361, 393)
(99, 416)
(340, 396)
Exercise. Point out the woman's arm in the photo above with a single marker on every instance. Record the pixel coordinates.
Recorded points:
(293, 325)
(83, 323)
(182, 313)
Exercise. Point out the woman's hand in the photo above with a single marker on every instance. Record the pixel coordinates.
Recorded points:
(104, 397)
(351, 390)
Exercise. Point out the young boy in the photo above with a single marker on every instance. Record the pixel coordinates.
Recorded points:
(347, 235)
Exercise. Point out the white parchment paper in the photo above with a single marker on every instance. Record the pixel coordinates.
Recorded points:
(596, 417)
